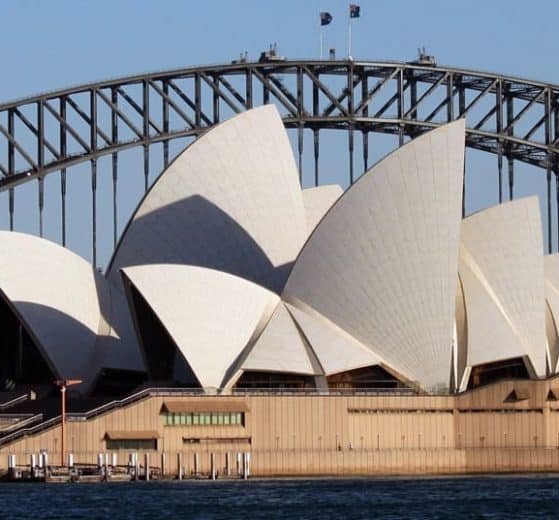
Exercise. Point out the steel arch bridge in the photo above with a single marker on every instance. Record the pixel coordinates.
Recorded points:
(513, 118)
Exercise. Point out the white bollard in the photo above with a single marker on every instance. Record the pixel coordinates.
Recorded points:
(133, 465)
(248, 465)
(12, 465)
(196, 464)
(245, 475)
(43, 459)
(179, 466)
(33, 464)
(227, 464)
(146, 466)
(212, 465)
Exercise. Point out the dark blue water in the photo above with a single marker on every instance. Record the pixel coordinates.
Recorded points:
(398, 498)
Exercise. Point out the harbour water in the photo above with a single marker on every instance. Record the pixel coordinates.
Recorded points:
(391, 498)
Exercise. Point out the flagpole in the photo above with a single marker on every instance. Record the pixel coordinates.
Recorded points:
(321, 41)
(349, 37)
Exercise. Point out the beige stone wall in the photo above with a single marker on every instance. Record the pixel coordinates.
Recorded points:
(480, 430)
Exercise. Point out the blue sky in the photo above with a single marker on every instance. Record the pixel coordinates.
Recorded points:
(52, 44)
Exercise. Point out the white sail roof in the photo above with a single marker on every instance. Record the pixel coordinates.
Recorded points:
(334, 348)
(501, 267)
(211, 316)
(54, 293)
(551, 268)
(318, 201)
(280, 347)
(231, 202)
(382, 263)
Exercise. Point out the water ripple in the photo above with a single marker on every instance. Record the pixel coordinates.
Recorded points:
(490, 498)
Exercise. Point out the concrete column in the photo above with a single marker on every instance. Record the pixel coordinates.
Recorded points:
(163, 468)
(212, 465)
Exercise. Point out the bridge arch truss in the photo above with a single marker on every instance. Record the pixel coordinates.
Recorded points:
(513, 118)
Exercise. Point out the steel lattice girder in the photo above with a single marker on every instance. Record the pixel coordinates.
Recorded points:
(516, 118)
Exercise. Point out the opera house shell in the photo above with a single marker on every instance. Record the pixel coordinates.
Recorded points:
(230, 276)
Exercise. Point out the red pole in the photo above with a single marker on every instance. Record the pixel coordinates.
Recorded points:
(63, 422)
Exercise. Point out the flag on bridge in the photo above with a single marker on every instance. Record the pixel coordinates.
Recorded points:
(354, 11)
(325, 18)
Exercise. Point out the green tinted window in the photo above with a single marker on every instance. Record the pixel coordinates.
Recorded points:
(203, 419)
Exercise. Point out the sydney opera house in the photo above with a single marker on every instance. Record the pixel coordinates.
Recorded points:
(324, 332)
